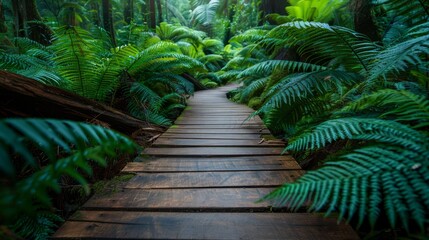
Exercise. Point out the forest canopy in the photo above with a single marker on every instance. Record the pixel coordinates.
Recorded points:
(344, 82)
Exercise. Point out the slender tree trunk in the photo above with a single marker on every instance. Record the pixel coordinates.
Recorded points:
(3, 27)
(108, 20)
(159, 8)
(4, 40)
(166, 10)
(128, 11)
(271, 6)
(363, 19)
(152, 15)
(96, 18)
(18, 8)
(37, 30)
(231, 13)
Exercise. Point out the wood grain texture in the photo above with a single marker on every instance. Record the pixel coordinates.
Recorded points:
(165, 225)
(210, 165)
(199, 199)
(219, 130)
(214, 151)
(213, 179)
(211, 136)
(170, 142)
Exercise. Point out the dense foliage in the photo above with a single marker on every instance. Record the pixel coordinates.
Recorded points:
(358, 106)
(349, 97)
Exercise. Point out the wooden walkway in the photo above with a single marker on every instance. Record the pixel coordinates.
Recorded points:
(200, 180)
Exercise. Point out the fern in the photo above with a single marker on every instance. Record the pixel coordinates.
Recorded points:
(404, 106)
(389, 132)
(267, 67)
(304, 85)
(363, 184)
(77, 60)
(321, 43)
(400, 57)
(68, 146)
(38, 227)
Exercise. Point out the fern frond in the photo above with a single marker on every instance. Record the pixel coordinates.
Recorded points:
(404, 106)
(364, 183)
(268, 67)
(78, 142)
(77, 60)
(240, 63)
(368, 129)
(402, 56)
(321, 43)
(250, 36)
(49, 136)
(304, 85)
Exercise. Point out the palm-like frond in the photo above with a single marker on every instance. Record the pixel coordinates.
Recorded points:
(304, 85)
(321, 43)
(77, 142)
(205, 14)
(77, 61)
(401, 56)
(266, 68)
(368, 129)
(410, 12)
(363, 184)
(403, 105)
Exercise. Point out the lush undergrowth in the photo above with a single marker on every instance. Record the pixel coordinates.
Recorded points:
(353, 109)
(351, 102)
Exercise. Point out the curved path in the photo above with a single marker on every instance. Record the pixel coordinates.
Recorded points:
(200, 180)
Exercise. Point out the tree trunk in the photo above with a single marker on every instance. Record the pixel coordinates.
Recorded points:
(363, 19)
(159, 8)
(152, 15)
(24, 97)
(128, 11)
(37, 30)
(108, 20)
(96, 18)
(166, 10)
(231, 14)
(271, 6)
(3, 27)
(18, 8)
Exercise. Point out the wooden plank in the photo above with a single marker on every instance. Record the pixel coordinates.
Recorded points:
(214, 151)
(218, 130)
(212, 136)
(213, 179)
(211, 164)
(170, 142)
(171, 225)
(212, 199)
(217, 126)
(222, 122)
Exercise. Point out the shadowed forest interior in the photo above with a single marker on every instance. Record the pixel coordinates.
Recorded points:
(86, 86)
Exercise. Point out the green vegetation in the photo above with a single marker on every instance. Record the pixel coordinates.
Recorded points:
(349, 96)
(354, 109)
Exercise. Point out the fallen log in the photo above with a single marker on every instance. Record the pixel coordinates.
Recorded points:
(24, 97)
